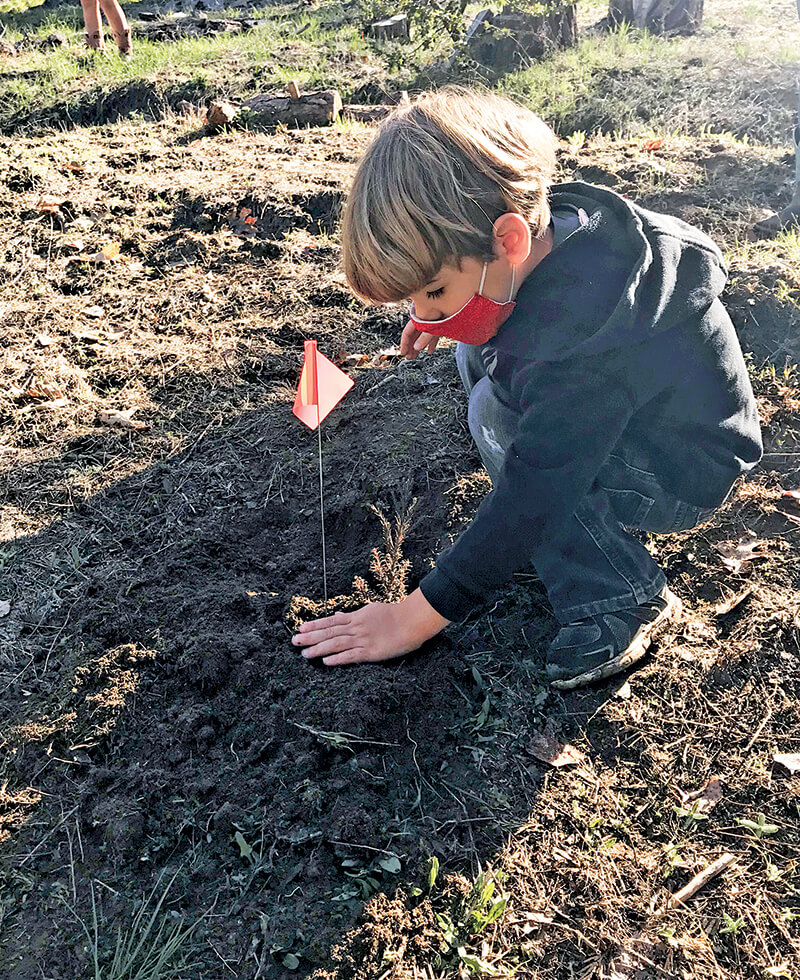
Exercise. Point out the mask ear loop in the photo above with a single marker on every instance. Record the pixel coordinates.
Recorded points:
(483, 278)
(513, 283)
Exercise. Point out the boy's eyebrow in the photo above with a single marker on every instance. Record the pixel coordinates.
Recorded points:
(430, 283)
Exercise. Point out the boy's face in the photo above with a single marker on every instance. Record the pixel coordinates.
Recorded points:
(455, 285)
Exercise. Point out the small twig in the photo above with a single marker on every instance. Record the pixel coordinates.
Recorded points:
(700, 880)
(364, 847)
(46, 837)
(342, 736)
(760, 728)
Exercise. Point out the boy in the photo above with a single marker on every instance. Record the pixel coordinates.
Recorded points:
(607, 389)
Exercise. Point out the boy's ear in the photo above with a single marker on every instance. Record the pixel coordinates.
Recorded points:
(512, 237)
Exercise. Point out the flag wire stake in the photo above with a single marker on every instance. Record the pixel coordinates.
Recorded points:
(322, 509)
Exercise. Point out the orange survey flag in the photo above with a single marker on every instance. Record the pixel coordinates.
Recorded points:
(322, 386)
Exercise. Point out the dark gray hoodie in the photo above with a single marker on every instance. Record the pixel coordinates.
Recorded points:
(618, 337)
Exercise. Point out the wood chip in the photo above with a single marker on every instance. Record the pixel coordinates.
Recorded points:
(548, 749)
(5, 607)
(122, 419)
(789, 760)
(706, 798)
(736, 554)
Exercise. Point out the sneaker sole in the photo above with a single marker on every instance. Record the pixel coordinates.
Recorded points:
(632, 655)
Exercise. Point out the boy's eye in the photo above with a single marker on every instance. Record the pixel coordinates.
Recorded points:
(435, 293)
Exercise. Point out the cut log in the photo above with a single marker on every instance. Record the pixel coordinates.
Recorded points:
(391, 27)
(511, 39)
(658, 16)
(220, 113)
(309, 109)
(366, 113)
(773, 225)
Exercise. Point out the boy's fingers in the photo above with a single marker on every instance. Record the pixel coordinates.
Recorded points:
(339, 644)
(407, 339)
(338, 619)
(340, 659)
(425, 340)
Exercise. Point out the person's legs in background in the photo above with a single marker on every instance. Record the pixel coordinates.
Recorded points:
(94, 29)
(118, 23)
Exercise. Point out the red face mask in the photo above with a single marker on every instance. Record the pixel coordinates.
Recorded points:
(477, 321)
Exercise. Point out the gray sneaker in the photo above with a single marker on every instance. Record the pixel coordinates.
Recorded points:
(595, 648)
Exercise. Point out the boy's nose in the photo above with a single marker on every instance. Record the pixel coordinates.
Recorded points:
(427, 312)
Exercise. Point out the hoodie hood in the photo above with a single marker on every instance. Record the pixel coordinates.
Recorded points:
(624, 275)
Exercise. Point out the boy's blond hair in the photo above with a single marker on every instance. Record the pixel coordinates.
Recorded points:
(432, 183)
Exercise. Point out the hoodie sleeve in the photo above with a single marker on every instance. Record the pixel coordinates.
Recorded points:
(573, 414)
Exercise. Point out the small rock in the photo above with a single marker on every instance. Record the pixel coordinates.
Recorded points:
(206, 734)
(54, 40)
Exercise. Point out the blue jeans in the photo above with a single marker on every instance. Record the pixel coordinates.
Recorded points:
(594, 564)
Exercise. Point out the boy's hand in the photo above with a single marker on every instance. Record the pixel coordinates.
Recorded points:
(379, 631)
(412, 342)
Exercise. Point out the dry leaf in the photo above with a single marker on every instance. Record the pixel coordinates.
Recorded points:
(706, 798)
(49, 204)
(88, 336)
(789, 760)
(736, 554)
(547, 748)
(76, 244)
(38, 406)
(38, 390)
(94, 312)
(623, 692)
(5, 607)
(83, 223)
(122, 419)
(727, 606)
(651, 145)
(789, 504)
(43, 340)
(108, 253)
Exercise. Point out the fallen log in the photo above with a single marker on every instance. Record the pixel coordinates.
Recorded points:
(309, 109)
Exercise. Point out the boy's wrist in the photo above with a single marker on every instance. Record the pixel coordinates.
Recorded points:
(420, 618)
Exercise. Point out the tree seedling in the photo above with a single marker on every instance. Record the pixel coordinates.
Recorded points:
(760, 827)
(732, 926)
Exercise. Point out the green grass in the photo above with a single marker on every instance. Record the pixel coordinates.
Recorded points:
(732, 77)
(628, 81)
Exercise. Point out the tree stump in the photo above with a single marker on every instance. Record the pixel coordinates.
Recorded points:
(391, 27)
(512, 38)
(658, 16)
